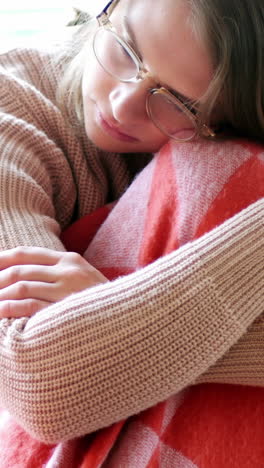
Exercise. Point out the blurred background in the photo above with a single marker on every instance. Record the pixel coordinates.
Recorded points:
(27, 21)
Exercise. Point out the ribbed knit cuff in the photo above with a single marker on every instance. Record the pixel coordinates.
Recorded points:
(233, 257)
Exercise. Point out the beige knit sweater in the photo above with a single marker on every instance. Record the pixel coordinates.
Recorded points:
(111, 351)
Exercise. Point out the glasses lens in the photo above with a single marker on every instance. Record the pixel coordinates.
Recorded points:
(171, 118)
(113, 55)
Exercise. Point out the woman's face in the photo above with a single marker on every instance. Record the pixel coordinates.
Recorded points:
(161, 33)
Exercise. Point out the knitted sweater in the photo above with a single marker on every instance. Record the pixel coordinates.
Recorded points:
(60, 371)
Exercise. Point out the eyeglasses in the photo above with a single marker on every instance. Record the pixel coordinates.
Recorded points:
(174, 117)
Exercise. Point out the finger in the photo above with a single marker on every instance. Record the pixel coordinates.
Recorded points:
(29, 256)
(24, 308)
(14, 274)
(48, 292)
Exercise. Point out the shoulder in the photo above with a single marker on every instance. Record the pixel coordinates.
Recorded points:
(28, 85)
(29, 67)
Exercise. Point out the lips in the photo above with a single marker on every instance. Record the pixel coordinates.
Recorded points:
(115, 132)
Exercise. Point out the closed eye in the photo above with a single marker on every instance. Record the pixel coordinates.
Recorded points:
(130, 38)
(189, 103)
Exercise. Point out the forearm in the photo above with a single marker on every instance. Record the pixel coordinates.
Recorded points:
(244, 362)
(104, 354)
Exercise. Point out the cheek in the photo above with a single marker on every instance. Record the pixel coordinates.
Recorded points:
(95, 83)
(92, 81)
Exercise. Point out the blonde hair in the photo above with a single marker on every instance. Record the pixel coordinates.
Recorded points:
(72, 62)
(234, 32)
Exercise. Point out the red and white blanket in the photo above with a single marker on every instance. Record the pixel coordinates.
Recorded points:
(185, 191)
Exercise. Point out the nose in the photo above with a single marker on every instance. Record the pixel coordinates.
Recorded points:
(128, 100)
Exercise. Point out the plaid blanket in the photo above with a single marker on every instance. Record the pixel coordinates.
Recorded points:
(185, 191)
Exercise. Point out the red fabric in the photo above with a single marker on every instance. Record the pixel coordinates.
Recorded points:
(79, 235)
(185, 191)
(17, 448)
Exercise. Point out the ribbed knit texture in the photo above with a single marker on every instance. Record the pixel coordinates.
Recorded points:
(104, 354)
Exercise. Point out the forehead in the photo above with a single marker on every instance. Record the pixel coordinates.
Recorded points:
(167, 43)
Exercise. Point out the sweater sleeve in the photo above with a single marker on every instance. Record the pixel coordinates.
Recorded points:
(113, 350)
(28, 196)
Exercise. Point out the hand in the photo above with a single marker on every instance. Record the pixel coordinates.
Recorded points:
(32, 278)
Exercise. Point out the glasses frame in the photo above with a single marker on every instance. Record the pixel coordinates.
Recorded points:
(104, 21)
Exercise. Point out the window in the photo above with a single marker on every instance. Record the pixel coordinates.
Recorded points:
(27, 21)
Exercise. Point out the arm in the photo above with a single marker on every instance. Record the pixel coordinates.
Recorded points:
(109, 352)
(115, 349)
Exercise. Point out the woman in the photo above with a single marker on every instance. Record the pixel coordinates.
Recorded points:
(173, 71)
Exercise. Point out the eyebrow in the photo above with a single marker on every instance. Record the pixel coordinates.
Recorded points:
(133, 41)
